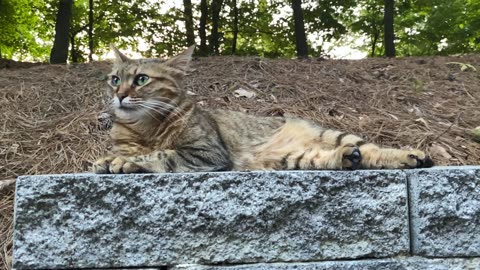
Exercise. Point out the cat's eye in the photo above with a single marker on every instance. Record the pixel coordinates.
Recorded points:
(141, 79)
(115, 81)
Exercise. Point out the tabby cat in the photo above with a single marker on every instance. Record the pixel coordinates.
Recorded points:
(158, 128)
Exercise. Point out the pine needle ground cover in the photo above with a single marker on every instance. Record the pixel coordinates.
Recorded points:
(54, 118)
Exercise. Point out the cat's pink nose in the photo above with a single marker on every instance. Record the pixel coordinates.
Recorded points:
(121, 96)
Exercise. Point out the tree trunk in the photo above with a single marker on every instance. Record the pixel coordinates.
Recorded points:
(375, 37)
(235, 26)
(90, 31)
(73, 50)
(187, 5)
(202, 32)
(300, 36)
(59, 52)
(389, 32)
(214, 37)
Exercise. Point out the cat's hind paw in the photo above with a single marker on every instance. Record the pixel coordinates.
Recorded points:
(351, 157)
(415, 159)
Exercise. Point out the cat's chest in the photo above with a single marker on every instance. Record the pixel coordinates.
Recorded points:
(126, 142)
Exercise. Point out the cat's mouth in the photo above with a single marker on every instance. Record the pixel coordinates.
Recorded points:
(126, 107)
(124, 104)
(127, 111)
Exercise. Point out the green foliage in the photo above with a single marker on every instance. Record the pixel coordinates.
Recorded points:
(369, 22)
(156, 28)
(463, 66)
(262, 31)
(266, 26)
(423, 27)
(476, 134)
(125, 24)
(17, 19)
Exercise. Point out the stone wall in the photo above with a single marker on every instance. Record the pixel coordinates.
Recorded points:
(389, 219)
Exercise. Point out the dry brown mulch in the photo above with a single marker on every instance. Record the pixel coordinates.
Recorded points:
(52, 119)
(7, 193)
(11, 64)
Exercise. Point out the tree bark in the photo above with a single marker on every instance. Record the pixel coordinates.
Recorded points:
(214, 37)
(59, 52)
(300, 36)
(235, 26)
(187, 5)
(73, 50)
(389, 32)
(202, 32)
(375, 37)
(90, 31)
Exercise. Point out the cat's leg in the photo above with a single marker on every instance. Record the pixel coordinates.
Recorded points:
(375, 157)
(315, 158)
(301, 145)
(339, 150)
(186, 159)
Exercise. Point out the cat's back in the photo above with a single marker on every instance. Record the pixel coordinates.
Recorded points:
(244, 124)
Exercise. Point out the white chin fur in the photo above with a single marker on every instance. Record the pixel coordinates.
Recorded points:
(126, 103)
(116, 102)
(120, 108)
(124, 114)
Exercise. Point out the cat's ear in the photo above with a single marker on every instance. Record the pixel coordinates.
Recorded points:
(119, 57)
(181, 61)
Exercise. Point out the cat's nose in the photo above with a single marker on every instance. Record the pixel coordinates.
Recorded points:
(121, 96)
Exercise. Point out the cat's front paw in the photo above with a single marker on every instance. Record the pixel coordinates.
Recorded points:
(102, 165)
(115, 165)
(412, 159)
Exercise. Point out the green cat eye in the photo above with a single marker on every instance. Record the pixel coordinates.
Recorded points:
(115, 81)
(141, 79)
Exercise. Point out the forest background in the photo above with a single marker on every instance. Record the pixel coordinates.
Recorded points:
(58, 31)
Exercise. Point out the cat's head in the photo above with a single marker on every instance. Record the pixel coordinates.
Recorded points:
(147, 87)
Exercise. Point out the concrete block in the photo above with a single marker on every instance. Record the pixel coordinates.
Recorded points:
(115, 221)
(409, 263)
(445, 211)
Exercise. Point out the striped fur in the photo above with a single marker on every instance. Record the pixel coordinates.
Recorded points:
(158, 128)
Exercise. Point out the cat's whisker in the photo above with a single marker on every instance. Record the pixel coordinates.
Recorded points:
(147, 111)
(157, 110)
(156, 102)
(164, 106)
(160, 105)
(175, 107)
(165, 100)
(161, 111)
(172, 109)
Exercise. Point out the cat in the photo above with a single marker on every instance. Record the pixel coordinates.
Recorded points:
(158, 128)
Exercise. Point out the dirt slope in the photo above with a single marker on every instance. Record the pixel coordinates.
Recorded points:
(52, 122)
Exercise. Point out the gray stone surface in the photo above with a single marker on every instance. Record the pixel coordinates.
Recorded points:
(445, 211)
(86, 221)
(412, 263)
